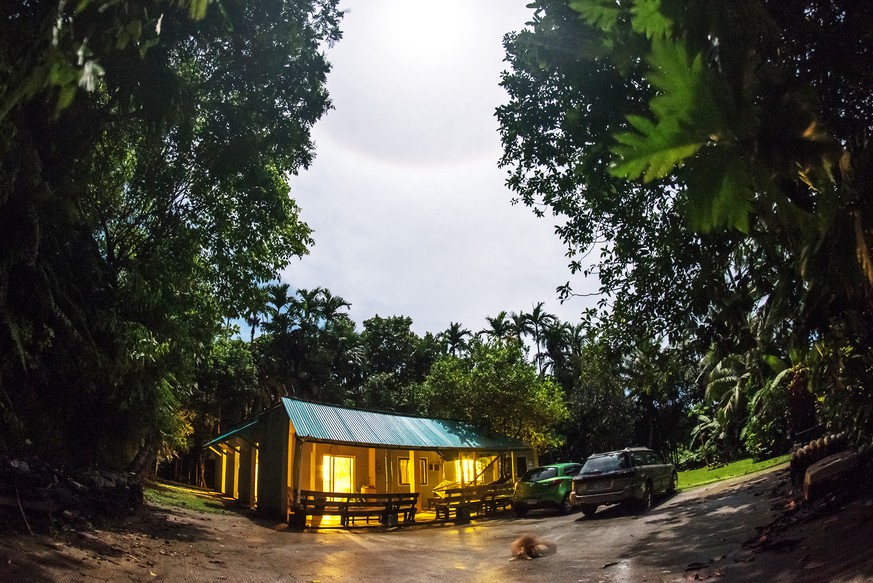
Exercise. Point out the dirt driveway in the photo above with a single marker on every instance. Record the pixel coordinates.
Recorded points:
(695, 535)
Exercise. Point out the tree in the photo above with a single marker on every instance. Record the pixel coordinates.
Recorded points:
(310, 349)
(539, 320)
(390, 346)
(715, 153)
(496, 389)
(499, 327)
(520, 325)
(145, 155)
(601, 414)
(256, 309)
(455, 338)
(227, 393)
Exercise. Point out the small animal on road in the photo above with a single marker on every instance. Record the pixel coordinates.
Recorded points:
(527, 546)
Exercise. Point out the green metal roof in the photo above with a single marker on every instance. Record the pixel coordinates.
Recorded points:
(232, 433)
(330, 423)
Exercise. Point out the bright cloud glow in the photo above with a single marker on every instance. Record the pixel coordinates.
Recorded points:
(410, 211)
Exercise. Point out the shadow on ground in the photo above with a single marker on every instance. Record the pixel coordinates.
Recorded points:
(827, 541)
(130, 541)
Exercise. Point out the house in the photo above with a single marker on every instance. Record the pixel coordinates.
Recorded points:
(300, 445)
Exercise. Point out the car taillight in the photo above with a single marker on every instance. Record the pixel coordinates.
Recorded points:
(551, 483)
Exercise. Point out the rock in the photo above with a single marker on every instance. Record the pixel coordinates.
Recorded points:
(19, 466)
(38, 497)
(831, 473)
(101, 481)
(76, 486)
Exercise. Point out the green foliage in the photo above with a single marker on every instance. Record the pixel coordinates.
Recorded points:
(683, 97)
(396, 360)
(602, 417)
(495, 388)
(309, 347)
(649, 20)
(732, 218)
(143, 197)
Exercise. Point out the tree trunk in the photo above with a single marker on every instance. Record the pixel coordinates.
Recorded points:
(200, 468)
(143, 464)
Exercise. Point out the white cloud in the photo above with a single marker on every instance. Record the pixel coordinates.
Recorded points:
(410, 211)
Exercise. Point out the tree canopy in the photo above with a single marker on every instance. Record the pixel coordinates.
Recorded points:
(145, 154)
(715, 157)
(497, 389)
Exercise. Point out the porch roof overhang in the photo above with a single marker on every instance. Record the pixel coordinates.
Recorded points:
(240, 431)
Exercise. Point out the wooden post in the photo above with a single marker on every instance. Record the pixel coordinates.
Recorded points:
(512, 463)
(297, 464)
(297, 520)
(389, 471)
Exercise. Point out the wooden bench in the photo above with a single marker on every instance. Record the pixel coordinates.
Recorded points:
(469, 497)
(386, 507)
(497, 497)
(479, 499)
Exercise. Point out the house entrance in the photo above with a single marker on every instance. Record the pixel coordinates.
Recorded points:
(338, 473)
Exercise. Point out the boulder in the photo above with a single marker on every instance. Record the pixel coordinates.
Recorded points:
(831, 473)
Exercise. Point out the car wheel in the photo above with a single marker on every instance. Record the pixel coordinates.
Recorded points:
(646, 500)
(565, 507)
(520, 510)
(589, 509)
(674, 481)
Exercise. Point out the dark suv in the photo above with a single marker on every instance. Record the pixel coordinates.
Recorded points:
(634, 474)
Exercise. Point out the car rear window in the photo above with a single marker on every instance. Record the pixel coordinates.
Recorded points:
(605, 463)
(537, 474)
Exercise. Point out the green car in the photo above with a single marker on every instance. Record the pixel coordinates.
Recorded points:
(545, 487)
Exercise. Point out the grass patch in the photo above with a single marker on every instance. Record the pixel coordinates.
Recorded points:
(182, 496)
(703, 476)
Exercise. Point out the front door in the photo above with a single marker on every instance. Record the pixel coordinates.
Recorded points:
(338, 473)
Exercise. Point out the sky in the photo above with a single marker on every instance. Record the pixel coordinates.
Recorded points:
(410, 210)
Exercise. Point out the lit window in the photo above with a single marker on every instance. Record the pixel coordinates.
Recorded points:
(422, 471)
(338, 473)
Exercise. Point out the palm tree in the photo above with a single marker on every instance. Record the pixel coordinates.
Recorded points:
(520, 325)
(256, 309)
(307, 305)
(556, 341)
(277, 298)
(278, 302)
(576, 338)
(455, 338)
(730, 381)
(539, 320)
(500, 328)
(329, 307)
